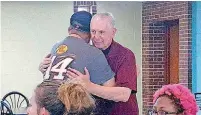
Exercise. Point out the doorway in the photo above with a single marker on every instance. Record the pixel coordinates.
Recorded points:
(172, 52)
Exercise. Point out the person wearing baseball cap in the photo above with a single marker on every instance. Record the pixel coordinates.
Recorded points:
(81, 21)
(75, 52)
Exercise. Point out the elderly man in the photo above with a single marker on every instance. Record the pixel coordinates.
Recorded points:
(122, 62)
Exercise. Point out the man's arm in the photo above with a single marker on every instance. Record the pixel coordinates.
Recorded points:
(100, 71)
(111, 93)
(47, 60)
(126, 80)
(45, 64)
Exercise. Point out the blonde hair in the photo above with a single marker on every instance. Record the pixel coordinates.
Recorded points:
(75, 97)
(64, 98)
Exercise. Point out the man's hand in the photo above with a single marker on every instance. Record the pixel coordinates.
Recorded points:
(45, 63)
(74, 74)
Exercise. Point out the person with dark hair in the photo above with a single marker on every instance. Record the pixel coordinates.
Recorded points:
(174, 99)
(75, 52)
(57, 97)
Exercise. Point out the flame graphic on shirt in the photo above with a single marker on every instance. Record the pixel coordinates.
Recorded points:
(61, 49)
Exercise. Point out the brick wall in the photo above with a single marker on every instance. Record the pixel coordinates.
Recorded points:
(154, 17)
(90, 4)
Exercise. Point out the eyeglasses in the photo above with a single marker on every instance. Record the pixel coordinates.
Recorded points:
(154, 112)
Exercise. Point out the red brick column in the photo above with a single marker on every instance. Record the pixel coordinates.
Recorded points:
(154, 16)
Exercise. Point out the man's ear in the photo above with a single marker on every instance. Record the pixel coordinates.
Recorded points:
(69, 29)
(114, 31)
(44, 111)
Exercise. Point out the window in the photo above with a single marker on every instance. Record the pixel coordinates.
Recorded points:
(89, 6)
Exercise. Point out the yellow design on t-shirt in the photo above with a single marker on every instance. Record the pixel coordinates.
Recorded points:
(61, 49)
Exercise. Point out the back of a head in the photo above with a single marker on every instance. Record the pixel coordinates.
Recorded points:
(182, 96)
(80, 21)
(75, 98)
(64, 98)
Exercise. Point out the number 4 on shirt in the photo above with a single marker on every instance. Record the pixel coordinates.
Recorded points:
(59, 68)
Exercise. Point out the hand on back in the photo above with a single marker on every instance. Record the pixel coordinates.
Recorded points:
(45, 63)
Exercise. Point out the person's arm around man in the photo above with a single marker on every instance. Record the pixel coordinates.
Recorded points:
(106, 91)
(125, 81)
(111, 93)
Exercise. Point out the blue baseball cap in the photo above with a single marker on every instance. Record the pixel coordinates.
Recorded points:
(81, 21)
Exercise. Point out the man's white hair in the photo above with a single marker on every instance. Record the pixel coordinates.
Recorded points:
(104, 15)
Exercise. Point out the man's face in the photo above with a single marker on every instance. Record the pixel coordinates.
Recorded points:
(102, 32)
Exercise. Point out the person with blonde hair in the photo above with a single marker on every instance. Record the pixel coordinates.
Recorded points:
(174, 99)
(60, 98)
